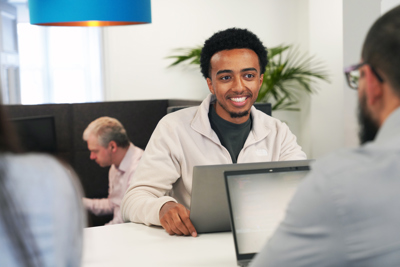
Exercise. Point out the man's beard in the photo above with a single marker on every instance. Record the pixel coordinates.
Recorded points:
(368, 127)
(234, 114)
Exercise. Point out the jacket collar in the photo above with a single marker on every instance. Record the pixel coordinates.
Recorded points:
(201, 123)
(390, 128)
(127, 160)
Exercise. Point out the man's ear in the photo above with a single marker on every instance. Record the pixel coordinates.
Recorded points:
(113, 146)
(374, 88)
(210, 87)
(261, 79)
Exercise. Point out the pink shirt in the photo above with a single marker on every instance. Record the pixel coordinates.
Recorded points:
(119, 180)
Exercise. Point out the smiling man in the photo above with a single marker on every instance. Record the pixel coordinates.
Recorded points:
(235, 83)
(224, 129)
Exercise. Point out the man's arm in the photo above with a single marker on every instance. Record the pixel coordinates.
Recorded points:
(174, 218)
(158, 170)
(311, 233)
(98, 206)
(290, 150)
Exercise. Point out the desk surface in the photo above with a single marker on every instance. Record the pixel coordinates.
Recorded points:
(131, 244)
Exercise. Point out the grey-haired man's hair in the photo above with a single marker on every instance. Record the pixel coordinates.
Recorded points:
(107, 129)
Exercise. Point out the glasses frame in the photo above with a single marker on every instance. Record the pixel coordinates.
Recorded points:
(355, 67)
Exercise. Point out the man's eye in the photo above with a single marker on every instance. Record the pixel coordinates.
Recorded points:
(225, 78)
(249, 76)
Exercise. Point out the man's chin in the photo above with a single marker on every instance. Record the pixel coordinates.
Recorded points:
(235, 112)
(242, 114)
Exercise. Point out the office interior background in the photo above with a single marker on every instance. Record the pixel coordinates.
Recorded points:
(74, 64)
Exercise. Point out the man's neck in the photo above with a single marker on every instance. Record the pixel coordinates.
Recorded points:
(389, 104)
(119, 155)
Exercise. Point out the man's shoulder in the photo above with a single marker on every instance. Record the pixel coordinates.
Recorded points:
(346, 163)
(135, 149)
(179, 117)
(130, 160)
(39, 169)
(33, 162)
(262, 119)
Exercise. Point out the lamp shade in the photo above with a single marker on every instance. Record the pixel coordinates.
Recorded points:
(89, 12)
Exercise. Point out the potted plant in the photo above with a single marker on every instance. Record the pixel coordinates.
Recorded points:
(287, 75)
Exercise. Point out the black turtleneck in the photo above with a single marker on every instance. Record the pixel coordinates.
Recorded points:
(231, 135)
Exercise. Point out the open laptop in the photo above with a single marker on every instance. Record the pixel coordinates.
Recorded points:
(257, 202)
(209, 210)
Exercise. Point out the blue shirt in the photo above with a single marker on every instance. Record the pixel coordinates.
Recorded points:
(49, 197)
(347, 211)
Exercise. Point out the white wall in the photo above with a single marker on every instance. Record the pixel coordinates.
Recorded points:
(326, 108)
(389, 4)
(334, 31)
(135, 56)
(136, 67)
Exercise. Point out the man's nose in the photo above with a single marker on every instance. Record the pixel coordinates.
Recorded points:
(238, 85)
(92, 156)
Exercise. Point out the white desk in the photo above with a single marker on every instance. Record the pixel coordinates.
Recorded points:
(131, 244)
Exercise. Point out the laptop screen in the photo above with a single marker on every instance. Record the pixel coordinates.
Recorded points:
(209, 211)
(257, 201)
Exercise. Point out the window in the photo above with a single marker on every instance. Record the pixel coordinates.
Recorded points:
(60, 64)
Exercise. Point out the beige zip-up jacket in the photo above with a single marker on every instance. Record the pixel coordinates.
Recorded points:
(184, 139)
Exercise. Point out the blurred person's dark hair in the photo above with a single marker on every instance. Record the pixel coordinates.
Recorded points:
(381, 49)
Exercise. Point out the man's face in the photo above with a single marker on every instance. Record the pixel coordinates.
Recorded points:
(102, 155)
(235, 81)
(368, 126)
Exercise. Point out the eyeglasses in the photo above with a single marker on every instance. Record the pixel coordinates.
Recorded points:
(353, 75)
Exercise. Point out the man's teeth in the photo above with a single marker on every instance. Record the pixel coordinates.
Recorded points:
(238, 99)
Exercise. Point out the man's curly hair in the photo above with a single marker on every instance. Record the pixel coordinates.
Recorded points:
(232, 38)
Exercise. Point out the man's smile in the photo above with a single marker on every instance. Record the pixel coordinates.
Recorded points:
(239, 99)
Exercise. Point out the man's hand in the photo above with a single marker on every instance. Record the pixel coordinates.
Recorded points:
(174, 218)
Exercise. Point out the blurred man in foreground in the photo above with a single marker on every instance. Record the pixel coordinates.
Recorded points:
(347, 211)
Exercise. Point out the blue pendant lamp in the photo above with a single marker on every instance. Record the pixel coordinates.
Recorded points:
(89, 12)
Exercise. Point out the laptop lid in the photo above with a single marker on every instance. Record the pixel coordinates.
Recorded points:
(257, 201)
(209, 211)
